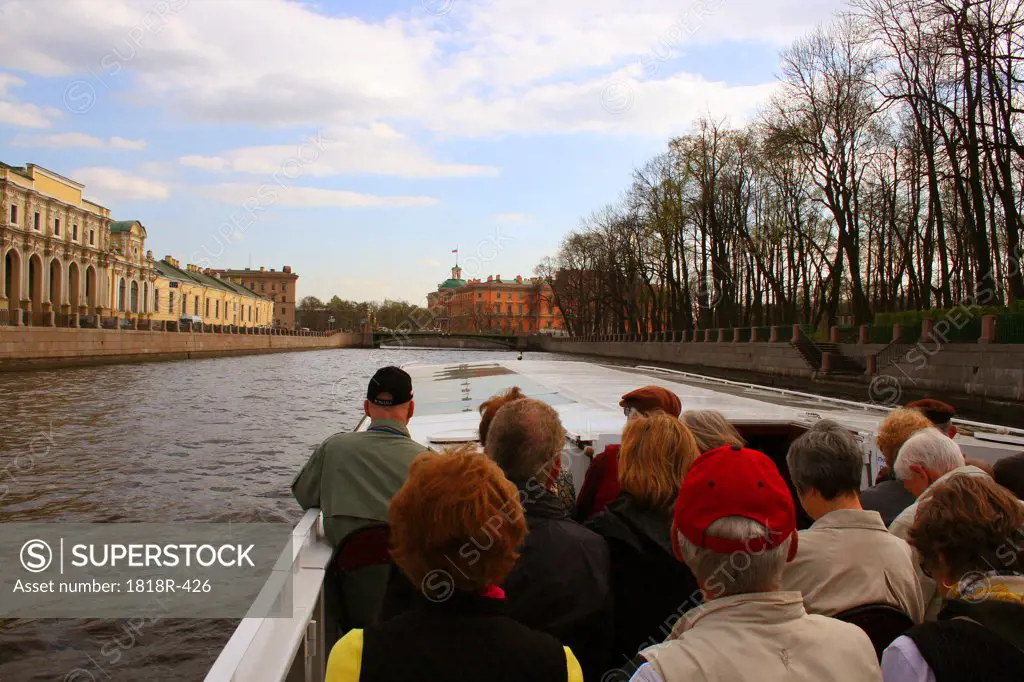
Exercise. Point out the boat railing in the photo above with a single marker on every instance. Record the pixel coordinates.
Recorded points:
(285, 649)
(819, 398)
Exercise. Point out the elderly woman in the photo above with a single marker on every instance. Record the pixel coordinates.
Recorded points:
(888, 497)
(562, 487)
(711, 429)
(651, 589)
(455, 507)
(969, 535)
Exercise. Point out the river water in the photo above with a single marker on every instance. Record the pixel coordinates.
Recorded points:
(204, 440)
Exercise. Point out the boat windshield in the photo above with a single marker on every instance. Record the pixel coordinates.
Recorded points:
(462, 388)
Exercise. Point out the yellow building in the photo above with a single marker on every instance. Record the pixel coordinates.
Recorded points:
(54, 246)
(63, 261)
(201, 296)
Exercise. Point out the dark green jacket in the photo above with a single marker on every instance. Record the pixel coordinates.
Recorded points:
(352, 476)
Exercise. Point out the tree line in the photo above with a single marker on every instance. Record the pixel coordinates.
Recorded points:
(350, 315)
(885, 174)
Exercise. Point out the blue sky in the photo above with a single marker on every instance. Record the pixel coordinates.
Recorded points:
(360, 142)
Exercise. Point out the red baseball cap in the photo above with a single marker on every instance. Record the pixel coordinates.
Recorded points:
(734, 481)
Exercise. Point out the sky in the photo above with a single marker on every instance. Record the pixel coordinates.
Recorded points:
(361, 141)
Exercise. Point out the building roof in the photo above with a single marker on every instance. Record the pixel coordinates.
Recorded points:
(126, 226)
(168, 271)
(452, 284)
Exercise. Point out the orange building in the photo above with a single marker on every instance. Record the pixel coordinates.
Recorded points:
(279, 287)
(516, 306)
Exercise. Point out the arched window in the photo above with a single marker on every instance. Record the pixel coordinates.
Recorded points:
(156, 300)
(121, 294)
(135, 297)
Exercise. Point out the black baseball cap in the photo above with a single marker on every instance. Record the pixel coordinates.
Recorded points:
(392, 380)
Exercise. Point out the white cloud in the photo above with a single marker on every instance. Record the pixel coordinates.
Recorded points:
(376, 149)
(122, 143)
(68, 140)
(273, 194)
(210, 163)
(108, 184)
(22, 114)
(487, 67)
(510, 217)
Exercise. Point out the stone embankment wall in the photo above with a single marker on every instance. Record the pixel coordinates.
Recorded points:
(48, 347)
(398, 341)
(982, 373)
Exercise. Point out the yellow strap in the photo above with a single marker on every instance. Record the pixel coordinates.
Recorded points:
(346, 658)
(575, 671)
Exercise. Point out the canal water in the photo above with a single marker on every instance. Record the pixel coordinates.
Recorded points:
(205, 440)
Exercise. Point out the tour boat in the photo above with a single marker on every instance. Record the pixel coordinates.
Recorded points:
(586, 396)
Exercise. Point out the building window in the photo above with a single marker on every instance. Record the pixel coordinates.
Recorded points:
(257, 316)
(283, 311)
(520, 295)
(14, 214)
(74, 231)
(498, 296)
(195, 306)
(35, 221)
(156, 300)
(56, 226)
(263, 286)
(216, 309)
(509, 308)
(273, 286)
(250, 313)
(170, 301)
(92, 237)
(520, 308)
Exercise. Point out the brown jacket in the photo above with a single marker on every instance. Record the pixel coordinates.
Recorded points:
(849, 558)
(767, 637)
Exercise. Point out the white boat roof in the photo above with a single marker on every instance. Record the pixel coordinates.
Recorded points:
(586, 395)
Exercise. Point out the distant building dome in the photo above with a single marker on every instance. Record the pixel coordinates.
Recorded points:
(455, 281)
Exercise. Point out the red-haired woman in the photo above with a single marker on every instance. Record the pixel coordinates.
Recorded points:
(455, 527)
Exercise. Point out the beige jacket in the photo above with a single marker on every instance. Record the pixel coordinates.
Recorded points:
(764, 637)
(901, 529)
(849, 558)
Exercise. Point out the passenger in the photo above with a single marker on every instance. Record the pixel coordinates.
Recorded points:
(562, 582)
(711, 429)
(969, 535)
(940, 414)
(352, 476)
(981, 464)
(889, 497)
(735, 526)
(601, 482)
(847, 558)
(563, 488)
(1009, 473)
(928, 457)
(651, 589)
(453, 504)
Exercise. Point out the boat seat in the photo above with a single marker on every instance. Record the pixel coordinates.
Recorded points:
(361, 549)
(882, 623)
(367, 546)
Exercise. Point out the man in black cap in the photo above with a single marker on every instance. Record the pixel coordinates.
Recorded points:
(352, 476)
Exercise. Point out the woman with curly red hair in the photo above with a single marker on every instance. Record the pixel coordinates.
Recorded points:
(969, 534)
(456, 525)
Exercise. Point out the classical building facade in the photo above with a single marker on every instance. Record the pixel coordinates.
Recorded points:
(516, 306)
(279, 287)
(62, 258)
(59, 254)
